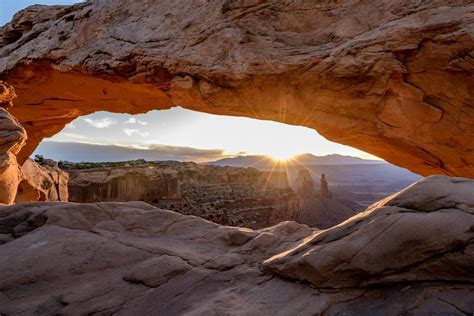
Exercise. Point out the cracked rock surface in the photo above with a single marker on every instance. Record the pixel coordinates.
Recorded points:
(424, 233)
(410, 253)
(391, 77)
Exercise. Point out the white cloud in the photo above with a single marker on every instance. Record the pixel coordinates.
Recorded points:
(133, 120)
(75, 136)
(130, 132)
(100, 123)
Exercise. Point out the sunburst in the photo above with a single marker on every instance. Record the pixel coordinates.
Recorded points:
(281, 156)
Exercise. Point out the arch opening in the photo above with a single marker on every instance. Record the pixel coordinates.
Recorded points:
(393, 78)
(226, 169)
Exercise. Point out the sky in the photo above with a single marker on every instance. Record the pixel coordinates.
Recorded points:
(9, 7)
(183, 128)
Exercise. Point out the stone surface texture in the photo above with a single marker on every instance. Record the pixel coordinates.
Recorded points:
(412, 252)
(424, 233)
(42, 183)
(393, 78)
(12, 139)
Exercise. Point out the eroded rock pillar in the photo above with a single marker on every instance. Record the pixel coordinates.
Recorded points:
(12, 139)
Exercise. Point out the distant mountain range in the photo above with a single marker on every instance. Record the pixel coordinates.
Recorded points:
(83, 152)
(80, 152)
(266, 163)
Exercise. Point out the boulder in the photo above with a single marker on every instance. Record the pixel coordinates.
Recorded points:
(42, 183)
(424, 233)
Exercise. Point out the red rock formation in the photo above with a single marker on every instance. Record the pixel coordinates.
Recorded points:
(318, 209)
(393, 78)
(243, 197)
(324, 188)
(29, 182)
(304, 183)
(42, 183)
(12, 139)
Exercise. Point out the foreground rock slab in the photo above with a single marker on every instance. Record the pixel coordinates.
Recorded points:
(132, 258)
(424, 233)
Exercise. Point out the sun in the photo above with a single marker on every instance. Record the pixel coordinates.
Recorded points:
(281, 156)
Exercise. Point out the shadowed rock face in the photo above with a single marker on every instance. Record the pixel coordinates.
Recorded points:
(412, 252)
(393, 78)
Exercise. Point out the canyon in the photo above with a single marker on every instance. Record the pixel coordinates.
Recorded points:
(392, 78)
(244, 197)
(225, 195)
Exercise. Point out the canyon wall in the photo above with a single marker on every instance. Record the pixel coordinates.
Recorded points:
(392, 78)
(225, 195)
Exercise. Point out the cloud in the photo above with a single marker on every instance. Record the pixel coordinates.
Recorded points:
(100, 123)
(74, 136)
(133, 120)
(186, 153)
(75, 151)
(130, 132)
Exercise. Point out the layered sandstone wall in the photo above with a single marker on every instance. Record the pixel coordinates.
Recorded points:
(226, 195)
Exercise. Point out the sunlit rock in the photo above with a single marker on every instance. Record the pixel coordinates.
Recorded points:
(42, 183)
(12, 139)
(392, 78)
(422, 234)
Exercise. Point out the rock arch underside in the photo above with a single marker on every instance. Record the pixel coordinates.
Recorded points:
(391, 77)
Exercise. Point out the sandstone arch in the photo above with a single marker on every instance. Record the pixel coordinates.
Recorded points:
(393, 78)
